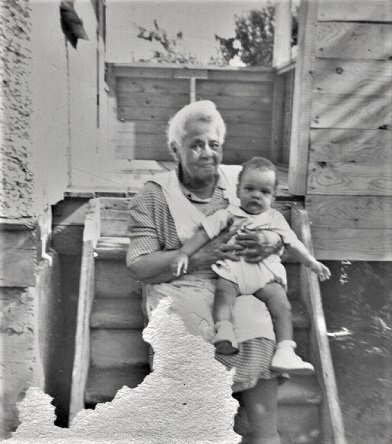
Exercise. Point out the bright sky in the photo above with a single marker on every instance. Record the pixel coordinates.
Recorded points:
(198, 20)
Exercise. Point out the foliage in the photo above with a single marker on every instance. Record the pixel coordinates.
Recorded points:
(172, 50)
(252, 44)
(254, 37)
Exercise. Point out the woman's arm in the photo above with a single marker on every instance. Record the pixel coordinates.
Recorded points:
(255, 247)
(155, 267)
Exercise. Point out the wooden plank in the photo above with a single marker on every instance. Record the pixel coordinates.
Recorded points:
(142, 100)
(86, 296)
(351, 111)
(351, 146)
(277, 118)
(262, 75)
(208, 90)
(261, 117)
(117, 313)
(331, 415)
(282, 33)
(103, 384)
(113, 280)
(150, 114)
(352, 244)
(153, 86)
(236, 156)
(131, 130)
(349, 179)
(368, 41)
(360, 11)
(360, 77)
(350, 211)
(118, 348)
(302, 101)
(244, 103)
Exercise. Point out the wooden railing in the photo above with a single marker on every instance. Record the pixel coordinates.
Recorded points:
(331, 415)
(81, 363)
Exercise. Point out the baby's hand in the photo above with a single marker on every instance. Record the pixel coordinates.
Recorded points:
(180, 264)
(321, 270)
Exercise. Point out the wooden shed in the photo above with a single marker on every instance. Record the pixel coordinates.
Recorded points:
(341, 142)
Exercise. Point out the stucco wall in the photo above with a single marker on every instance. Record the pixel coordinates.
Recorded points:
(29, 318)
(16, 169)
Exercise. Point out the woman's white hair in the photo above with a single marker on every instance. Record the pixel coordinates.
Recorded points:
(204, 111)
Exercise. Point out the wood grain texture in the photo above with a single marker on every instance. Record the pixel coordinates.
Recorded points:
(351, 146)
(207, 89)
(359, 77)
(349, 211)
(299, 143)
(170, 70)
(161, 100)
(152, 86)
(354, 40)
(355, 245)
(349, 179)
(360, 11)
(351, 111)
(86, 297)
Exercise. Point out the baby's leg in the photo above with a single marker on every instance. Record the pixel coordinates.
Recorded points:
(285, 359)
(225, 293)
(275, 298)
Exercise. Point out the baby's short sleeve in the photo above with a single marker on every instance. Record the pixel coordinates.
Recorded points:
(215, 223)
(281, 226)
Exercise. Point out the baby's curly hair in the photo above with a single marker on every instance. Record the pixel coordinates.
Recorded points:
(261, 164)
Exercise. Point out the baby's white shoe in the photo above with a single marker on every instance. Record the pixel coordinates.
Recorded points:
(285, 360)
(225, 341)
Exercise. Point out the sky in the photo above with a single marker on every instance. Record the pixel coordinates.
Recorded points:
(198, 20)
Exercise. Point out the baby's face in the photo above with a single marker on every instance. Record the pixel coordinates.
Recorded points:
(256, 190)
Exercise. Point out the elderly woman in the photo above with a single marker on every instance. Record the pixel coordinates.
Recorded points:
(166, 213)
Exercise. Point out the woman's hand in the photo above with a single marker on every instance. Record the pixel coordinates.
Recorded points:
(215, 250)
(257, 245)
(180, 264)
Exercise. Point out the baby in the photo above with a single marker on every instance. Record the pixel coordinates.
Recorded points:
(266, 280)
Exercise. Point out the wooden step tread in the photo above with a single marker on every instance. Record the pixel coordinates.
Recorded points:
(117, 313)
(115, 248)
(300, 390)
(103, 383)
(126, 313)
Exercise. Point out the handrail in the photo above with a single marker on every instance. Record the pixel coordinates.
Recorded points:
(332, 420)
(80, 370)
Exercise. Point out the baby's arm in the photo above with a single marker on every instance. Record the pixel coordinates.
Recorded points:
(180, 262)
(301, 253)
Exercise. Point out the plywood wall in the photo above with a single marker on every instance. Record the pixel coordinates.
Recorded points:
(148, 96)
(349, 168)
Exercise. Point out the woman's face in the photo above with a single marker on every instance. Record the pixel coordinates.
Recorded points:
(200, 152)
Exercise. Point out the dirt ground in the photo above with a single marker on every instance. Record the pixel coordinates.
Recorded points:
(358, 310)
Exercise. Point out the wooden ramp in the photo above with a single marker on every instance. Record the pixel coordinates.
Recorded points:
(111, 353)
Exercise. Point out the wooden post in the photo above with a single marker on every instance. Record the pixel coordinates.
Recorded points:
(282, 33)
(192, 76)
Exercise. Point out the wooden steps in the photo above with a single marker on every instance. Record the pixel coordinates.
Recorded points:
(119, 356)
(103, 383)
